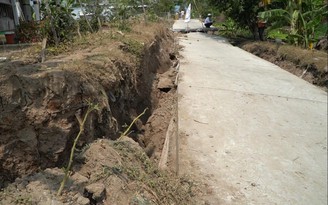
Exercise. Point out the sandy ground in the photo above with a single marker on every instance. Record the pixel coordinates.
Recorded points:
(250, 131)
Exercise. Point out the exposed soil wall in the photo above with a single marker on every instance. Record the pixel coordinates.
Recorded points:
(39, 102)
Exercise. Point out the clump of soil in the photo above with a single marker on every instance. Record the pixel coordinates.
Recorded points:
(118, 71)
(311, 65)
(106, 172)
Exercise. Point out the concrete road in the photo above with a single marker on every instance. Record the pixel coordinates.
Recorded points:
(181, 25)
(252, 132)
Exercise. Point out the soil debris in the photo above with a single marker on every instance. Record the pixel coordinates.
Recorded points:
(111, 173)
(95, 192)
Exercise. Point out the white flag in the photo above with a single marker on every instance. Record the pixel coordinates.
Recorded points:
(188, 13)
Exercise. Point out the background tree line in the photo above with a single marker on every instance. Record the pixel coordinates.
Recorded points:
(300, 22)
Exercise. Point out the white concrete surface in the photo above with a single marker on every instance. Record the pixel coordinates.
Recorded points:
(181, 25)
(252, 132)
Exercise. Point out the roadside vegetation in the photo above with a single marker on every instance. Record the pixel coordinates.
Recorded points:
(297, 22)
(295, 33)
(116, 57)
(300, 23)
(58, 24)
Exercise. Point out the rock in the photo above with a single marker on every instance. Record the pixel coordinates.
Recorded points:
(207, 203)
(3, 59)
(322, 44)
(130, 141)
(279, 41)
(79, 179)
(165, 83)
(28, 136)
(96, 192)
(80, 200)
(55, 172)
(150, 149)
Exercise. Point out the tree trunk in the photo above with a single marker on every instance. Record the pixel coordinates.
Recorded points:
(253, 29)
(78, 30)
(144, 11)
(43, 50)
(99, 23)
(85, 17)
(53, 29)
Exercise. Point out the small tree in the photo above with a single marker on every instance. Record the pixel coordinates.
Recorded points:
(302, 18)
(59, 25)
(244, 13)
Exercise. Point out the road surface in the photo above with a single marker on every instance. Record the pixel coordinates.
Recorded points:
(191, 26)
(252, 132)
(181, 25)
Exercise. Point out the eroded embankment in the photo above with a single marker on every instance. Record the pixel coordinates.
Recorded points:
(310, 65)
(39, 102)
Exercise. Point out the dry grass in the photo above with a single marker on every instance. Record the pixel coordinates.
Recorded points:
(300, 57)
(311, 65)
(108, 42)
(167, 188)
(23, 53)
(303, 57)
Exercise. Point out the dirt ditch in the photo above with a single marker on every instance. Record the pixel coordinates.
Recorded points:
(123, 73)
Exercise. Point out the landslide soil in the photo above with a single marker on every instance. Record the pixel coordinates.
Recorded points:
(122, 72)
(310, 65)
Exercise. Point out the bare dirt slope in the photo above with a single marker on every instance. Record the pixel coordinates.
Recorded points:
(122, 72)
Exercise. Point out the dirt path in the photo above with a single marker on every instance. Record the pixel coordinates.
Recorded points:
(250, 131)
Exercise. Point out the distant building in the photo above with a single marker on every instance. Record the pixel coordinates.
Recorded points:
(12, 11)
(6, 15)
